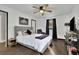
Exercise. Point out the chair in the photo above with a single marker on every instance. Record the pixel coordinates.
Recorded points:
(39, 31)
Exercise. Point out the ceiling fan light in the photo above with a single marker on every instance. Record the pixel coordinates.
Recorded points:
(41, 11)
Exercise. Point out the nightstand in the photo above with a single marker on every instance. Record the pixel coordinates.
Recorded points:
(12, 42)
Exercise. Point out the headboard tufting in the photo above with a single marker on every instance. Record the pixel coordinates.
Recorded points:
(20, 28)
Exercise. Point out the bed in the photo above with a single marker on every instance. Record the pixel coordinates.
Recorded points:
(30, 41)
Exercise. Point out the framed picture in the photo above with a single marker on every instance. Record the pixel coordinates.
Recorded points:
(23, 21)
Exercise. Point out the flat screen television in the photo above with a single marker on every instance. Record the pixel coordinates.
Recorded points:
(72, 24)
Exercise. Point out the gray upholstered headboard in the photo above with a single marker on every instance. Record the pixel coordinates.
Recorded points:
(20, 28)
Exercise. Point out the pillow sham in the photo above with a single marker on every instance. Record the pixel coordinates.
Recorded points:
(19, 32)
(24, 33)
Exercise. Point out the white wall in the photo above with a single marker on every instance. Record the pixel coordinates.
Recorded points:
(2, 28)
(61, 28)
(41, 24)
(76, 14)
(13, 19)
(60, 19)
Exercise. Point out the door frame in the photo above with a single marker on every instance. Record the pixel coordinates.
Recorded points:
(53, 27)
(6, 25)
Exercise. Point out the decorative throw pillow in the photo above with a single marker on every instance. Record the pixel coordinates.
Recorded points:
(25, 33)
(32, 32)
(28, 31)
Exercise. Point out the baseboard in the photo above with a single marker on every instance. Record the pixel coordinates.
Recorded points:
(60, 39)
(1, 41)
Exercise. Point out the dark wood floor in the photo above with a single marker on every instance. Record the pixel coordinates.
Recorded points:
(58, 48)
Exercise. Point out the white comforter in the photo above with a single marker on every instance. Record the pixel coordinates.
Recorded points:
(32, 41)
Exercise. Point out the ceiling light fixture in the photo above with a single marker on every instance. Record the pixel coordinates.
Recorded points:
(42, 9)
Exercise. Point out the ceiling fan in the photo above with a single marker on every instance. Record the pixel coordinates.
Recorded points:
(42, 9)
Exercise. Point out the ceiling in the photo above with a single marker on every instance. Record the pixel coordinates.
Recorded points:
(58, 9)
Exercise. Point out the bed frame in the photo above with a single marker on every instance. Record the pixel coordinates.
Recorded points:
(23, 28)
(32, 48)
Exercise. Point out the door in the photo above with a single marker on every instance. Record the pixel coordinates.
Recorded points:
(33, 25)
(4, 28)
(51, 28)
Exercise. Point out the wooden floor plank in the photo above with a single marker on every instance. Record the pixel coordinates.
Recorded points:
(58, 48)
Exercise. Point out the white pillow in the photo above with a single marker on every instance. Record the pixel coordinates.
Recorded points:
(19, 32)
(25, 32)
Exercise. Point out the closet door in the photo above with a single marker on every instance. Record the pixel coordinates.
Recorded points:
(0, 27)
(4, 27)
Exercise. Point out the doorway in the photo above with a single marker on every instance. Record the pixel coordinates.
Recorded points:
(4, 28)
(51, 28)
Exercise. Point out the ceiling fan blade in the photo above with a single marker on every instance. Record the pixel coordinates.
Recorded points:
(48, 10)
(35, 7)
(46, 5)
(35, 12)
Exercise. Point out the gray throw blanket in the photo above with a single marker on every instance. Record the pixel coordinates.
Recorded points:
(41, 37)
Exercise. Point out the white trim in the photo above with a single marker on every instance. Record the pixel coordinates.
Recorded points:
(1, 41)
(62, 37)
